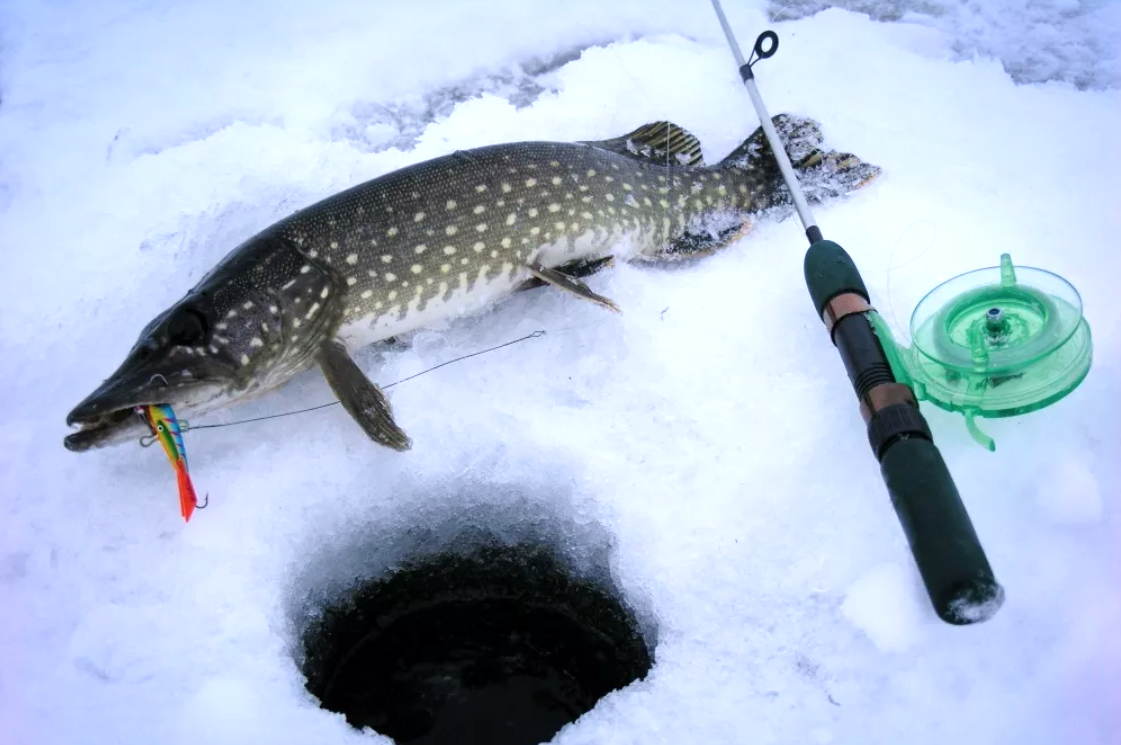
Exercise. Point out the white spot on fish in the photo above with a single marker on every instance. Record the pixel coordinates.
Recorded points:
(554, 207)
(445, 268)
(481, 227)
(311, 311)
(530, 182)
(221, 325)
(479, 246)
(534, 230)
(511, 218)
(449, 250)
(334, 244)
(352, 259)
(556, 180)
(305, 269)
(391, 232)
(533, 212)
(351, 281)
(451, 230)
(481, 188)
(591, 172)
(392, 295)
(386, 258)
(366, 294)
(296, 323)
(417, 268)
(506, 242)
(390, 277)
(451, 205)
(244, 359)
(256, 341)
(326, 291)
(232, 313)
(505, 187)
(609, 197)
(480, 209)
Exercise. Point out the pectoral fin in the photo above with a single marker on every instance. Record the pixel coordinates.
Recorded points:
(570, 284)
(362, 399)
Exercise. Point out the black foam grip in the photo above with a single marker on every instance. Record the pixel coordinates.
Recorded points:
(948, 554)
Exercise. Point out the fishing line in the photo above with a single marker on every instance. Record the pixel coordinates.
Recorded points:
(890, 268)
(187, 426)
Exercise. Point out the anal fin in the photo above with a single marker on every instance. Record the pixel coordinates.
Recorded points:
(695, 245)
(362, 399)
(570, 284)
(578, 268)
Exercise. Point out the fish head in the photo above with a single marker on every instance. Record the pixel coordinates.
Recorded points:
(246, 328)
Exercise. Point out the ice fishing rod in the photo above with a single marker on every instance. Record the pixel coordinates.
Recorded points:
(945, 546)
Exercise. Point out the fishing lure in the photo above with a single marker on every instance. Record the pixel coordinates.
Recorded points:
(165, 428)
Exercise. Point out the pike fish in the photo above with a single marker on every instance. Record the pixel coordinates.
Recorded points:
(438, 239)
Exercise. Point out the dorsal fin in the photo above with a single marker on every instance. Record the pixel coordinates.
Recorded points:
(663, 142)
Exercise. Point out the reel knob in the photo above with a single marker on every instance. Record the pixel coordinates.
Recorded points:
(999, 341)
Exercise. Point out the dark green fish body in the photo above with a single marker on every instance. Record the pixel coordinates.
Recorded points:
(439, 239)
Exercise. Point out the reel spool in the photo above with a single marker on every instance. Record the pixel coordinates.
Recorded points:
(995, 342)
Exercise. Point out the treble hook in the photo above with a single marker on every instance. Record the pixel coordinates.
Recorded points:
(147, 440)
(205, 502)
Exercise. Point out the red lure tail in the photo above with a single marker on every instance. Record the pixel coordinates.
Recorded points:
(187, 498)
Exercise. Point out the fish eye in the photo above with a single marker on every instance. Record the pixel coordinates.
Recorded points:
(187, 327)
(159, 427)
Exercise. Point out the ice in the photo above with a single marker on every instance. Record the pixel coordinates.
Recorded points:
(887, 606)
(1068, 493)
(704, 448)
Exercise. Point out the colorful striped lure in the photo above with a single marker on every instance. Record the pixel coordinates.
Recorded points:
(165, 428)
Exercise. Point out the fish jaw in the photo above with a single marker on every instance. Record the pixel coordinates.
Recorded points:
(123, 424)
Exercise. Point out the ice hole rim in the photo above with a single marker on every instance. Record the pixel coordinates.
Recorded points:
(531, 532)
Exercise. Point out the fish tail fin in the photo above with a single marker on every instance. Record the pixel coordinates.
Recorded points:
(822, 175)
(187, 498)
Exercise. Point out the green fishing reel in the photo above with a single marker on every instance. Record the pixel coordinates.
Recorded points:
(995, 342)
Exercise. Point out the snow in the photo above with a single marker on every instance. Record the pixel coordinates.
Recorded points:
(704, 447)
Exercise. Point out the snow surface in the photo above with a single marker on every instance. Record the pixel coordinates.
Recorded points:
(703, 449)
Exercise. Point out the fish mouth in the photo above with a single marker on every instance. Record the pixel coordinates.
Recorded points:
(101, 430)
(109, 415)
